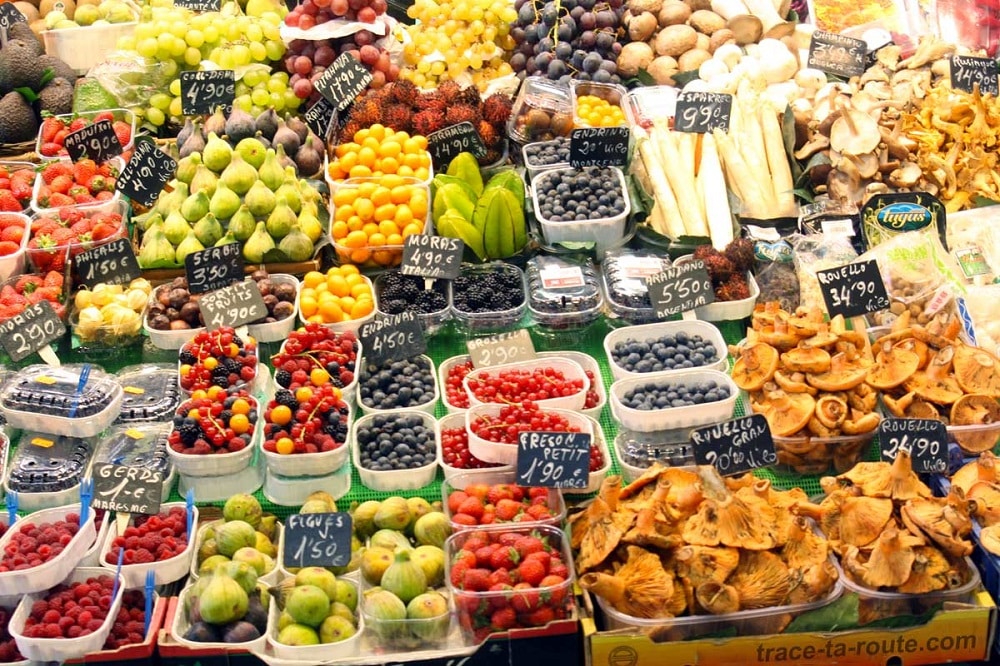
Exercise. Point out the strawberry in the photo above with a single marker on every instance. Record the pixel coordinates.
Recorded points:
(123, 131)
(8, 247)
(12, 234)
(472, 506)
(84, 170)
(507, 509)
(53, 170)
(84, 198)
(499, 577)
(476, 580)
(61, 184)
(541, 557)
(526, 545)
(108, 170)
(76, 190)
(9, 203)
(59, 200)
(43, 226)
(81, 227)
(504, 558)
(525, 598)
(50, 149)
(77, 124)
(500, 491)
(558, 592)
(104, 115)
(540, 617)
(51, 294)
(503, 619)
(484, 554)
(103, 230)
(61, 136)
(21, 186)
(531, 571)
(97, 183)
(28, 283)
(53, 279)
(458, 571)
(50, 127)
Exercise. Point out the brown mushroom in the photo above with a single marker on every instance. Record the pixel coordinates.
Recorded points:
(641, 587)
(854, 133)
(817, 429)
(787, 413)
(976, 370)
(600, 526)
(813, 582)
(863, 519)
(831, 410)
(983, 468)
(930, 572)
(893, 366)
(972, 410)
(761, 580)
(755, 366)
(823, 338)
(906, 175)
(746, 29)
(806, 359)
(894, 480)
(656, 521)
(717, 598)
(842, 375)
(828, 512)
(793, 383)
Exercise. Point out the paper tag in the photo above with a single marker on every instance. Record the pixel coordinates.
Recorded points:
(127, 489)
(42, 442)
(233, 306)
(972, 261)
(432, 256)
(134, 434)
(936, 302)
(43, 379)
(837, 227)
(319, 116)
(31, 330)
(9, 15)
(925, 439)
(214, 268)
(967, 71)
(639, 267)
(562, 277)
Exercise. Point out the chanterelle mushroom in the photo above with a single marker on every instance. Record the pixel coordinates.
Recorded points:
(863, 519)
(641, 587)
(891, 559)
(944, 522)
(976, 370)
(894, 480)
(761, 580)
(983, 468)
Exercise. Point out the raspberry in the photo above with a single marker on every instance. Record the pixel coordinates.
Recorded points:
(51, 616)
(52, 631)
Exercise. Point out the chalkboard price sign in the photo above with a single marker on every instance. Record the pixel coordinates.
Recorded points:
(702, 112)
(446, 143)
(202, 92)
(127, 489)
(680, 288)
(344, 80)
(317, 539)
(925, 439)
(736, 446)
(319, 116)
(392, 338)
(199, 5)
(97, 142)
(111, 263)
(214, 268)
(508, 347)
(553, 459)
(432, 256)
(9, 15)
(234, 306)
(146, 173)
(966, 71)
(24, 334)
(854, 289)
(598, 146)
(836, 54)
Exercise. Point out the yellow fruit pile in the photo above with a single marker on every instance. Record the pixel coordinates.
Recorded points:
(598, 112)
(342, 294)
(372, 216)
(378, 151)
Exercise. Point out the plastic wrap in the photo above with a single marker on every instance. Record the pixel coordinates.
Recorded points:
(814, 254)
(130, 78)
(974, 244)
(776, 275)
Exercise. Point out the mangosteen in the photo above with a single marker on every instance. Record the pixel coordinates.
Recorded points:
(159, 322)
(179, 283)
(156, 308)
(190, 313)
(284, 292)
(283, 310)
(163, 296)
(270, 300)
(202, 632)
(178, 297)
(173, 314)
(259, 274)
(239, 632)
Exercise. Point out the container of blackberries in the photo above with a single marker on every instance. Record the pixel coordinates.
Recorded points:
(213, 433)
(403, 384)
(398, 293)
(173, 316)
(637, 451)
(489, 297)
(563, 294)
(56, 401)
(151, 393)
(306, 431)
(140, 445)
(587, 205)
(666, 347)
(396, 450)
(623, 274)
(683, 400)
(280, 293)
(545, 155)
(45, 470)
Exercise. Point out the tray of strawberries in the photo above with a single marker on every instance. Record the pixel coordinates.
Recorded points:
(81, 183)
(16, 181)
(52, 134)
(19, 292)
(58, 236)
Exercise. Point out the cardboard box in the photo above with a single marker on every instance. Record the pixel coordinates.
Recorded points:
(132, 655)
(960, 632)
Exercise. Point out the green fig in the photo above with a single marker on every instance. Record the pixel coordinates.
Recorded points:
(156, 251)
(227, 239)
(290, 190)
(149, 219)
(204, 180)
(281, 219)
(309, 223)
(208, 230)
(260, 200)
(217, 153)
(168, 202)
(271, 172)
(259, 244)
(195, 206)
(252, 151)
(309, 193)
(175, 227)
(296, 245)
(239, 176)
(224, 202)
(188, 245)
(187, 167)
(242, 223)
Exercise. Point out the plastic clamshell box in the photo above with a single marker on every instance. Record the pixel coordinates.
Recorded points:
(494, 320)
(645, 105)
(180, 625)
(311, 464)
(535, 168)
(538, 92)
(818, 455)
(507, 453)
(427, 406)
(379, 256)
(407, 634)
(108, 336)
(594, 479)
(334, 184)
(570, 370)
(604, 232)
(13, 264)
(277, 331)
(726, 310)
(270, 578)
(38, 210)
(443, 369)
(295, 490)
(168, 339)
(611, 93)
(555, 501)
(646, 332)
(974, 434)
(217, 464)
(353, 325)
(568, 319)
(475, 607)
(61, 649)
(151, 393)
(673, 417)
(314, 654)
(401, 479)
(350, 392)
(670, 448)
(166, 571)
(151, 434)
(119, 114)
(45, 575)
(587, 362)
(42, 464)
(619, 310)
(454, 421)
(431, 321)
(100, 389)
(20, 165)
(247, 386)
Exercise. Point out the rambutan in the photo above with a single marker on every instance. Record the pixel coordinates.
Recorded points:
(431, 101)
(404, 91)
(496, 109)
(365, 112)
(491, 138)
(348, 131)
(462, 113)
(449, 90)
(428, 121)
(469, 95)
(398, 116)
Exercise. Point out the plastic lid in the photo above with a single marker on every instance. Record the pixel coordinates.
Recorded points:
(625, 276)
(151, 393)
(558, 286)
(53, 391)
(642, 449)
(48, 463)
(138, 445)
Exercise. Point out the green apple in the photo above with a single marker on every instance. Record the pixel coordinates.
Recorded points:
(87, 14)
(53, 18)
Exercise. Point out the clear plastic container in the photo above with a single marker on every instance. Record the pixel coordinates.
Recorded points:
(353, 325)
(587, 362)
(570, 370)
(624, 274)
(506, 454)
(295, 490)
(14, 263)
(277, 331)
(563, 294)
(217, 464)
(604, 232)
(116, 202)
(408, 634)
(84, 47)
(489, 320)
(647, 104)
(14, 166)
(108, 337)
(647, 333)
(50, 400)
(310, 464)
(150, 393)
(669, 418)
(315, 654)
(819, 455)
(220, 487)
(268, 579)
(412, 478)
(975, 438)
(544, 155)
(47, 574)
(119, 114)
(348, 392)
(453, 422)
(166, 571)
(45, 470)
(542, 111)
(181, 624)
(443, 371)
(637, 451)
(141, 445)
(612, 93)
(423, 406)
(430, 321)
(554, 498)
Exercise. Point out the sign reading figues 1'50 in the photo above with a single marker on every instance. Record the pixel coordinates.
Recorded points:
(318, 539)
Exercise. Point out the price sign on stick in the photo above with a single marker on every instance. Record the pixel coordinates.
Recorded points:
(9, 15)
(836, 54)
(392, 338)
(234, 306)
(553, 459)
(317, 539)
(214, 268)
(967, 71)
(111, 263)
(202, 92)
(97, 142)
(446, 143)
(702, 112)
(344, 80)
(127, 489)
(146, 173)
(509, 347)
(598, 146)
(735, 446)
(926, 440)
(319, 116)
(432, 256)
(854, 289)
(680, 288)
(26, 333)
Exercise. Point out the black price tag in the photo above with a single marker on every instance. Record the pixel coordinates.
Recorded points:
(214, 268)
(9, 15)
(553, 459)
(233, 306)
(111, 263)
(202, 92)
(966, 71)
(925, 439)
(680, 288)
(598, 146)
(127, 489)
(97, 142)
(854, 289)
(838, 55)
(735, 446)
(432, 256)
(392, 338)
(344, 80)
(146, 173)
(199, 5)
(509, 347)
(317, 540)
(24, 334)
(702, 112)
(319, 116)
(447, 143)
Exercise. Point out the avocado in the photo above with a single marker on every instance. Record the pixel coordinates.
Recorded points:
(56, 97)
(19, 66)
(17, 119)
(24, 32)
(60, 69)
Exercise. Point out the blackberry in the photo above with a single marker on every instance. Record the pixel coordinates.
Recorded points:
(283, 377)
(286, 398)
(225, 415)
(189, 431)
(187, 357)
(221, 373)
(232, 365)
